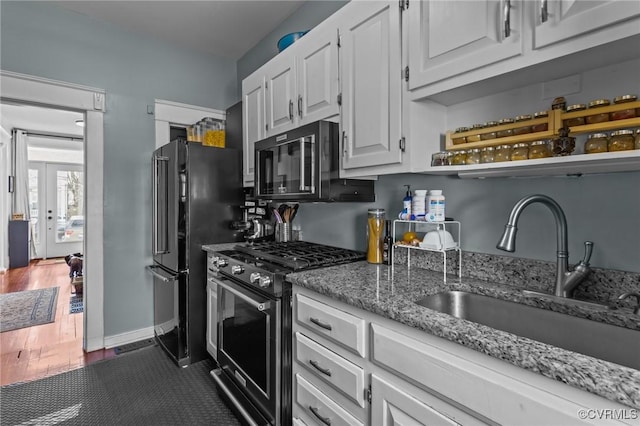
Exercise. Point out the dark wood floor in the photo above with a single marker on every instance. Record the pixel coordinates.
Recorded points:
(35, 352)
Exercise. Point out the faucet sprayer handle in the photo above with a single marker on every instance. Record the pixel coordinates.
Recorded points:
(588, 249)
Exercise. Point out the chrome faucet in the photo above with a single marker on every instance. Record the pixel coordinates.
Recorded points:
(566, 281)
(623, 296)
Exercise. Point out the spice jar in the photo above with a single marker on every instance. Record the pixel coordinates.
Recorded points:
(375, 227)
(539, 149)
(601, 116)
(623, 114)
(506, 132)
(487, 154)
(597, 142)
(525, 128)
(459, 158)
(520, 152)
(439, 159)
(459, 139)
(475, 137)
(490, 134)
(621, 140)
(503, 153)
(473, 156)
(542, 127)
(559, 103)
(576, 121)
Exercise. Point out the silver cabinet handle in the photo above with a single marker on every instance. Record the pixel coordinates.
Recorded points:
(507, 18)
(290, 110)
(325, 420)
(544, 11)
(320, 324)
(344, 143)
(316, 365)
(300, 105)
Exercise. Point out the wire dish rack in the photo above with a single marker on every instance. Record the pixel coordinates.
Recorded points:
(446, 238)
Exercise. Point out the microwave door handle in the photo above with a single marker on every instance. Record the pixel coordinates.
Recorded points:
(302, 185)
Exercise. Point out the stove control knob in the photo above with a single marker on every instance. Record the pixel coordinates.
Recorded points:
(254, 277)
(221, 262)
(264, 282)
(237, 269)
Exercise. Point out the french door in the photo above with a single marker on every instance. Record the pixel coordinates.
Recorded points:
(56, 196)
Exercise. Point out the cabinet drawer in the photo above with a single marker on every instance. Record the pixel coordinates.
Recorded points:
(345, 376)
(339, 326)
(320, 407)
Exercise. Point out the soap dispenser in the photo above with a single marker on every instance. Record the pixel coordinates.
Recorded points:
(406, 213)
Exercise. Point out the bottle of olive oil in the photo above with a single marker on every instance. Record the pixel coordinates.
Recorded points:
(387, 245)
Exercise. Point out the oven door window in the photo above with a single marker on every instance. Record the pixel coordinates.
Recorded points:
(248, 337)
(288, 168)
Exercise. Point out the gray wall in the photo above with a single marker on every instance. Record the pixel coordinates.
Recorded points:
(41, 39)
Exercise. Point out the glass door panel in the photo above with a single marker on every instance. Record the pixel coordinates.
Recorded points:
(65, 209)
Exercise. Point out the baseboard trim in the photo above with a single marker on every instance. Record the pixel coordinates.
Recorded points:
(128, 337)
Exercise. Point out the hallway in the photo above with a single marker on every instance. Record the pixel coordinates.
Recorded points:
(41, 351)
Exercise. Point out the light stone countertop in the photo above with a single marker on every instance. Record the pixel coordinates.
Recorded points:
(392, 293)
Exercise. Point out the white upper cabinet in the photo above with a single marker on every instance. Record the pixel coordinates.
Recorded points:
(447, 38)
(280, 77)
(371, 83)
(302, 81)
(559, 20)
(253, 121)
(317, 66)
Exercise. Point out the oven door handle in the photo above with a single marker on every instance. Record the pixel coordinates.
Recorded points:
(261, 306)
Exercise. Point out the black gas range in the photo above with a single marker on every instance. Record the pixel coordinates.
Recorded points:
(254, 323)
(264, 265)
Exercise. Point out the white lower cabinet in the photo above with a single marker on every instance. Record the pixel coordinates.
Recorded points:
(212, 318)
(405, 376)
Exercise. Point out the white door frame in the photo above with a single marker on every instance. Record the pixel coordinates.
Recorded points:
(91, 101)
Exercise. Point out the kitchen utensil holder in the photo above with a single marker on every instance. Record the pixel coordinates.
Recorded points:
(283, 232)
(449, 225)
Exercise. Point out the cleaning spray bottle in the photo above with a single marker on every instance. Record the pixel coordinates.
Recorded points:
(405, 214)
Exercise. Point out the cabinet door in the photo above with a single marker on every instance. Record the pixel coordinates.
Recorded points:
(317, 66)
(370, 61)
(447, 38)
(253, 122)
(212, 318)
(280, 77)
(559, 20)
(392, 406)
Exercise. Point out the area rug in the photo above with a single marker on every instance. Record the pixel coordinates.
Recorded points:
(76, 304)
(27, 308)
(142, 387)
(54, 261)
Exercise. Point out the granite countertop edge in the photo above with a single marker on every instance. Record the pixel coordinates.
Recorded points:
(392, 292)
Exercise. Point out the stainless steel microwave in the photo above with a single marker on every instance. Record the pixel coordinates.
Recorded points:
(303, 164)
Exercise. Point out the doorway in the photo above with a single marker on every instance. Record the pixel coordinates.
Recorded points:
(56, 199)
(33, 90)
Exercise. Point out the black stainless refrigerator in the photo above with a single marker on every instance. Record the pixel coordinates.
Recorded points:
(197, 193)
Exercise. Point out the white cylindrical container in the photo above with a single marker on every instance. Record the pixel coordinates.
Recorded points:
(435, 206)
(419, 204)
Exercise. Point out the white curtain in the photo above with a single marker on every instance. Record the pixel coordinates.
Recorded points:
(21, 180)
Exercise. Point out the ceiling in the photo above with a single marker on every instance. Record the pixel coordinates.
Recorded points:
(228, 28)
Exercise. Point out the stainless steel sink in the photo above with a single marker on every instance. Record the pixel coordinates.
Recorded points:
(599, 340)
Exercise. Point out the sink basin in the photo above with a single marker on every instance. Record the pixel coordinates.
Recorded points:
(599, 340)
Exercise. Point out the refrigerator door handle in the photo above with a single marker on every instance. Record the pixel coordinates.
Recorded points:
(159, 245)
(163, 276)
